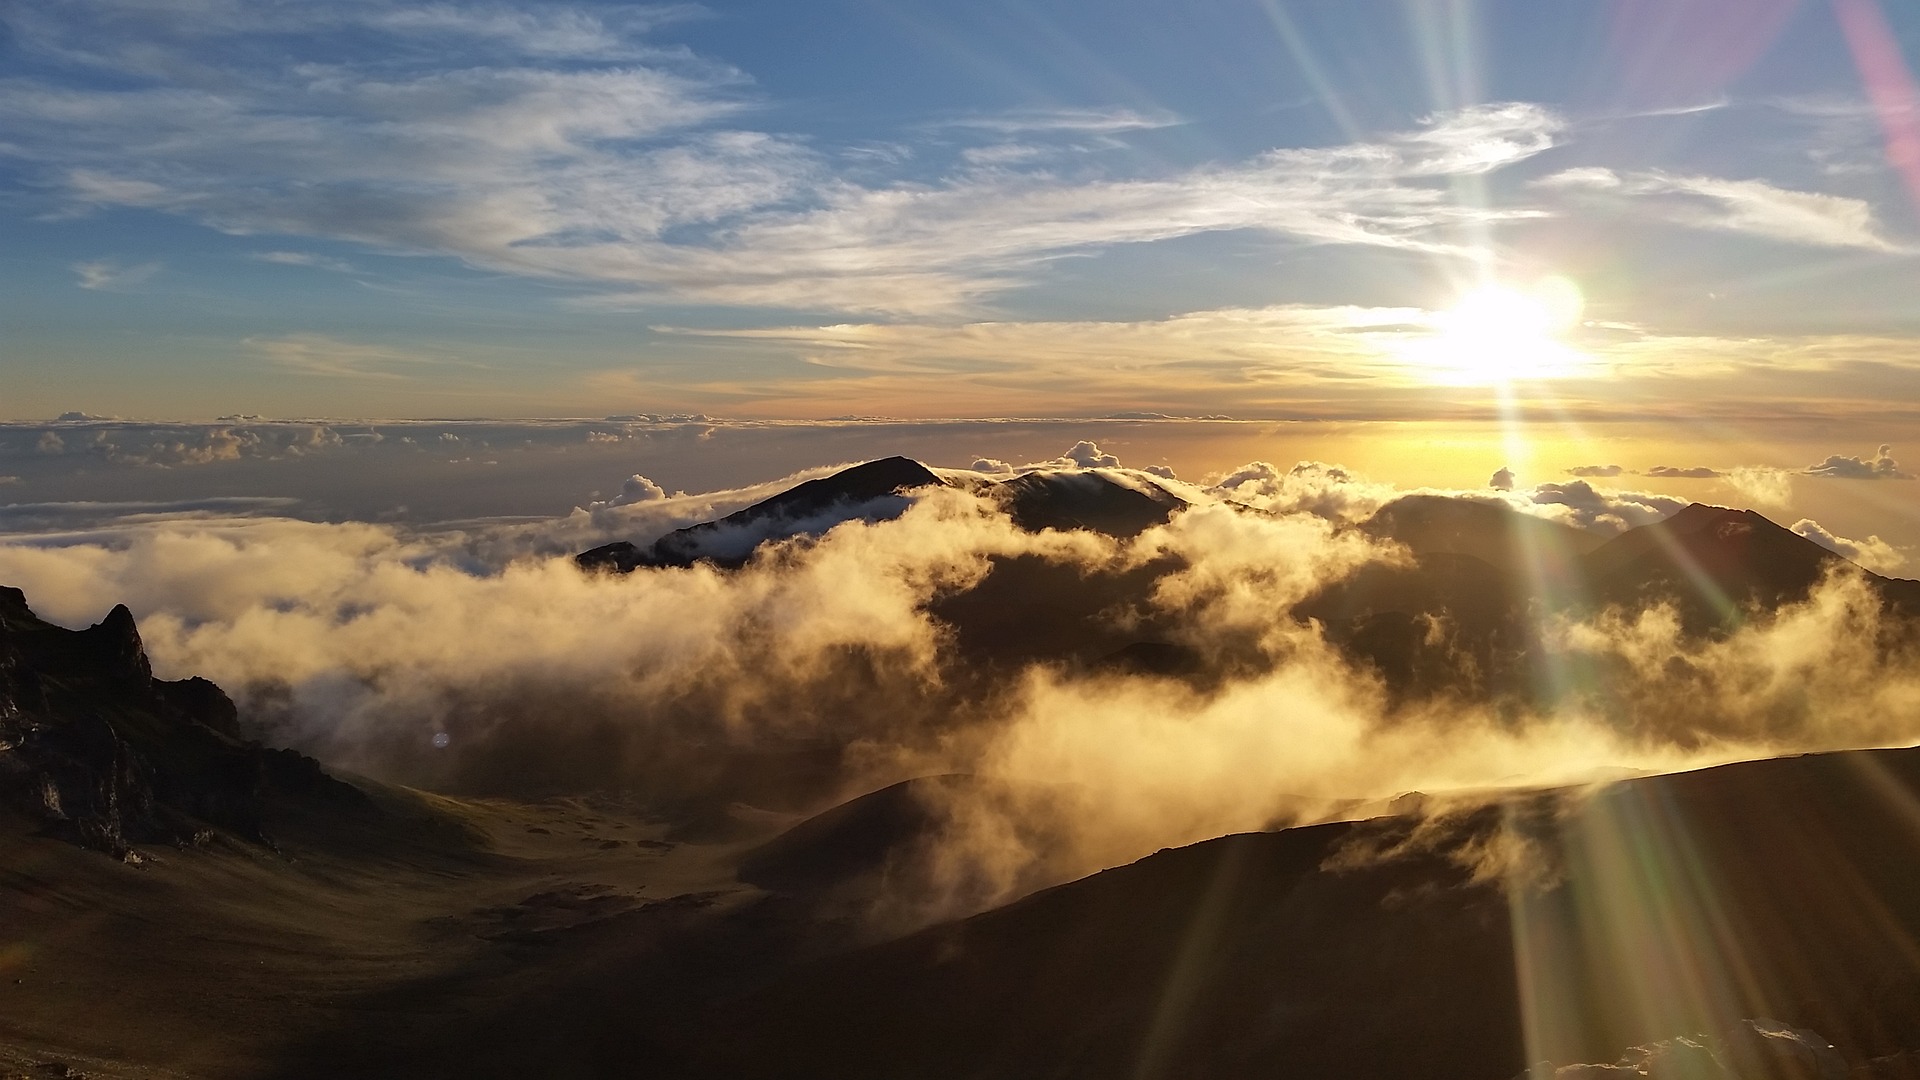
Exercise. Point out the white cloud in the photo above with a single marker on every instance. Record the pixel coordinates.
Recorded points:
(1341, 495)
(1281, 361)
(1760, 485)
(1004, 154)
(1339, 342)
(1602, 510)
(1479, 139)
(1088, 455)
(140, 37)
(1082, 121)
(1590, 177)
(1753, 207)
(320, 354)
(635, 489)
(560, 32)
(1311, 487)
(103, 439)
(110, 274)
(1873, 553)
(1881, 466)
(1801, 217)
(304, 258)
(552, 142)
(938, 248)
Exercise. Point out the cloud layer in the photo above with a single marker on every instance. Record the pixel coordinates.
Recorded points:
(820, 670)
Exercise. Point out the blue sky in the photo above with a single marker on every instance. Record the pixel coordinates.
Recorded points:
(1259, 208)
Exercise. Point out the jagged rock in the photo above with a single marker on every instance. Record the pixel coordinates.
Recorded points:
(195, 700)
(109, 757)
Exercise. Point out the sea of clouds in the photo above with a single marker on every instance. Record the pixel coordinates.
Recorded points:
(476, 657)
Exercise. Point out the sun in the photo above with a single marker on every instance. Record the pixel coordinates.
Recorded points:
(1499, 333)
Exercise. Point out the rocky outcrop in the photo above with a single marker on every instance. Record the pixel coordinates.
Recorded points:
(104, 754)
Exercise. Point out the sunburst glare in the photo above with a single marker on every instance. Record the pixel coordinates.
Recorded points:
(1498, 333)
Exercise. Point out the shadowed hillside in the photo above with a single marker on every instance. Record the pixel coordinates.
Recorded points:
(1647, 909)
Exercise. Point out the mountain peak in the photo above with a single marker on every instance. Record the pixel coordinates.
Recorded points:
(1698, 515)
(116, 646)
(1070, 499)
(1716, 560)
(861, 483)
(871, 487)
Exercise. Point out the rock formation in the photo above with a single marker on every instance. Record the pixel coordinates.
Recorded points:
(103, 753)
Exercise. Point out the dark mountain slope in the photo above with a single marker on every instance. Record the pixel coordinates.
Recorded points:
(1444, 621)
(1465, 614)
(1490, 532)
(1029, 609)
(1659, 906)
(1717, 563)
(885, 846)
(1086, 500)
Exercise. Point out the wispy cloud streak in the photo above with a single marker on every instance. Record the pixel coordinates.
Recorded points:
(556, 142)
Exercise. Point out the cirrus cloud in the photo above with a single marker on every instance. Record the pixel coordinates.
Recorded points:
(557, 142)
(1753, 207)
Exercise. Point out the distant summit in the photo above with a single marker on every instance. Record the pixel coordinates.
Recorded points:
(1062, 499)
(1075, 499)
(1717, 563)
(1490, 531)
(1462, 615)
(870, 491)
